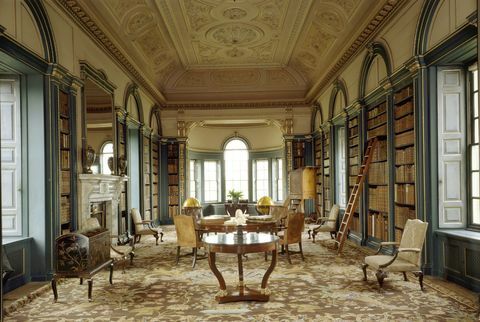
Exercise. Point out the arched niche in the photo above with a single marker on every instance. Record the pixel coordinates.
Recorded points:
(317, 118)
(338, 99)
(376, 67)
(42, 24)
(437, 21)
(154, 122)
(133, 103)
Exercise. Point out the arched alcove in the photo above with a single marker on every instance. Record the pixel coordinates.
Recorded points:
(376, 66)
(338, 99)
(317, 118)
(133, 103)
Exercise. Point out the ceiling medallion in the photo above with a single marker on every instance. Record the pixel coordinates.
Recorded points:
(234, 13)
(234, 34)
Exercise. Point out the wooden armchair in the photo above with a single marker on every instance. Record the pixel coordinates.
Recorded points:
(187, 236)
(328, 224)
(144, 227)
(407, 258)
(293, 233)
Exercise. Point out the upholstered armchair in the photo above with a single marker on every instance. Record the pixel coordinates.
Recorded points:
(328, 224)
(293, 233)
(122, 248)
(407, 258)
(144, 227)
(187, 236)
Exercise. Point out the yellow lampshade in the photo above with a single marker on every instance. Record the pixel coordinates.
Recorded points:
(191, 202)
(263, 205)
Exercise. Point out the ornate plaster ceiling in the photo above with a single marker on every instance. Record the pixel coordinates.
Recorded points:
(212, 51)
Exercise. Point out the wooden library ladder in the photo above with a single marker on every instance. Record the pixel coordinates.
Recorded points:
(355, 194)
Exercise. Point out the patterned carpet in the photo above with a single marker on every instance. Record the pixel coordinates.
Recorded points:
(324, 287)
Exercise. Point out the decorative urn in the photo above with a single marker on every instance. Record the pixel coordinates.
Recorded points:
(89, 158)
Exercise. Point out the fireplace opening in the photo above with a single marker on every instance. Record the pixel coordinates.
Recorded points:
(99, 210)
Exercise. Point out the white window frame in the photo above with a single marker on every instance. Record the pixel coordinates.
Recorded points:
(239, 181)
(260, 180)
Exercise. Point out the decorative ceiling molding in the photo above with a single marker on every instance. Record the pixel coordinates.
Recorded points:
(379, 20)
(73, 8)
(239, 105)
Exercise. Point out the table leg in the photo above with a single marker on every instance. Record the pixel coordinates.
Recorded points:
(90, 284)
(54, 288)
(216, 272)
(240, 275)
(111, 273)
(269, 270)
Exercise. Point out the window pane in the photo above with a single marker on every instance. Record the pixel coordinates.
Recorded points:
(105, 154)
(475, 131)
(475, 184)
(475, 104)
(261, 176)
(475, 80)
(210, 184)
(476, 211)
(280, 180)
(474, 157)
(236, 167)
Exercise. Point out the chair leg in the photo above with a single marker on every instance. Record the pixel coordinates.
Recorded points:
(288, 254)
(405, 276)
(313, 235)
(364, 269)
(380, 277)
(301, 251)
(178, 255)
(332, 234)
(132, 254)
(309, 233)
(156, 239)
(419, 274)
(194, 257)
(161, 237)
(266, 256)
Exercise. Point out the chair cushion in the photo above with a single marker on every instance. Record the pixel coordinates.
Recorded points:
(123, 250)
(148, 230)
(399, 265)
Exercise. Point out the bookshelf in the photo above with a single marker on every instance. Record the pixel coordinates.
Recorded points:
(173, 178)
(155, 175)
(354, 154)
(147, 207)
(378, 185)
(404, 141)
(319, 174)
(298, 154)
(327, 202)
(65, 139)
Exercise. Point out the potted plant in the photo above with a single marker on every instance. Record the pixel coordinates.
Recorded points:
(235, 195)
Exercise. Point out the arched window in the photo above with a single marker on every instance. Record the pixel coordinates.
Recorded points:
(236, 166)
(105, 153)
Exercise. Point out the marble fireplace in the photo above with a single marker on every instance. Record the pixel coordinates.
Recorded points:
(96, 188)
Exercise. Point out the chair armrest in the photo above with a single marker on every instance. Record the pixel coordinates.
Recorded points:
(382, 244)
(148, 221)
(116, 251)
(413, 250)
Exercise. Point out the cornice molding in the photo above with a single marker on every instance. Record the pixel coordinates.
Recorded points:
(380, 19)
(75, 10)
(243, 105)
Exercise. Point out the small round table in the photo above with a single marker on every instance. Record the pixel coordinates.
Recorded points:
(240, 244)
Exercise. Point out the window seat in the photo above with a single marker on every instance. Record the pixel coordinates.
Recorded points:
(465, 234)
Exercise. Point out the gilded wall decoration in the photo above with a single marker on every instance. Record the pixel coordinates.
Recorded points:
(121, 7)
(271, 14)
(151, 42)
(281, 77)
(234, 34)
(192, 79)
(198, 14)
(234, 13)
(318, 40)
(138, 21)
(331, 19)
(264, 52)
(235, 77)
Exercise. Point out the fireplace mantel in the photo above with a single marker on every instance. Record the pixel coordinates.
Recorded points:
(97, 188)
